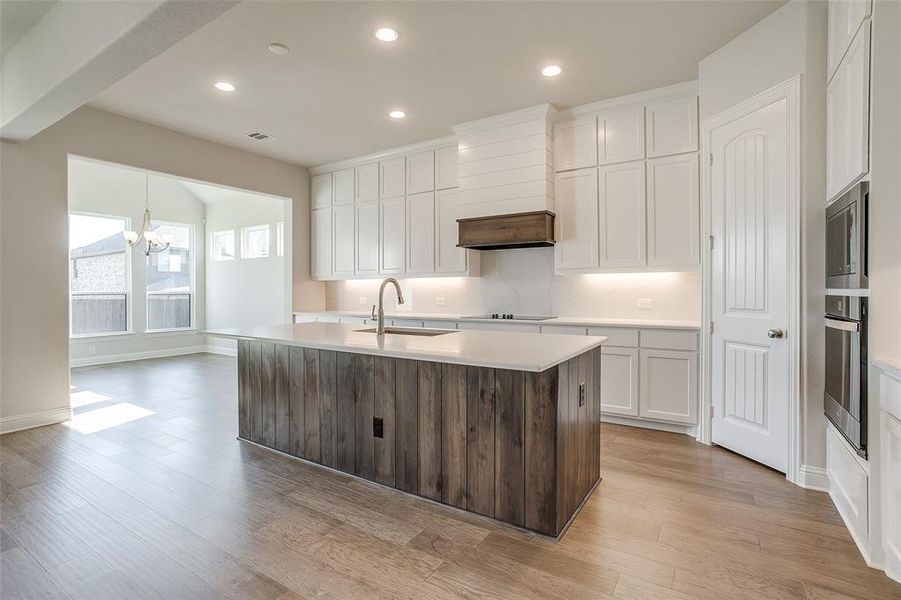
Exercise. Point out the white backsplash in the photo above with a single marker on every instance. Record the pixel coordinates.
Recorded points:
(523, 282)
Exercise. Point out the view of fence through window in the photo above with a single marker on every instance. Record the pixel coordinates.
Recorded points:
(170, 279)
(98, 274)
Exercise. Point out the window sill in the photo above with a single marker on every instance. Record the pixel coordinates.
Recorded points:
(94, 337)
(164, 332)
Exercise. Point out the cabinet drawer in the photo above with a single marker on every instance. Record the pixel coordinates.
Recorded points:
(439, 324)
(669, 340)
(479, 326)
(616, 336)
(564, 329)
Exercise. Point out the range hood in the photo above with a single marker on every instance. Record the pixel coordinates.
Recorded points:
(499, 232)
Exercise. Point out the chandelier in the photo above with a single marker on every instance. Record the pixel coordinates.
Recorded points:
(154, 240)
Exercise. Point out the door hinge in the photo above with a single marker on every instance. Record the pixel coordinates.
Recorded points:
(711, 159)
(712, 412)
(711, 242)
(711, 328)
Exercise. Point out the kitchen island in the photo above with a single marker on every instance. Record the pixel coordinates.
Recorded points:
(501, 424)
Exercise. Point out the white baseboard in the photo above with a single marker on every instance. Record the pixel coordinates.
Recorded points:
(223, 350)
(35, 419)
(646, 424)
(117, 358)
(814, 478)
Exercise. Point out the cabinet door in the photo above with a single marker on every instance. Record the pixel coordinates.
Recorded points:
(367, 182)
(619, 381)
(669, 385)
(845, 17)
(847, 117)
(621, 135)
(343, 234)
(421, 233)
(621, 196)
(575, 143)
(891, 435)
(421, 172)
(392, 218)
(367, 239)
(448, 257)
(672, 126)
(321, 190)
(446, 167)
(322, 242)
(392, 176)
(576, 219)
(343, 182)
(673, 211)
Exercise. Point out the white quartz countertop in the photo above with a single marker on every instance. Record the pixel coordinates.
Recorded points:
(576, 321)
(497, 349)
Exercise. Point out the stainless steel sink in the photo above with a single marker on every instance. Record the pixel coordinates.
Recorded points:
(409, 331)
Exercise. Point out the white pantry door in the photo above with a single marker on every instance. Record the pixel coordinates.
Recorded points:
(750, 205)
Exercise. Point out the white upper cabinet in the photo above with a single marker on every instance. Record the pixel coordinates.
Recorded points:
(367, 239)
(621, 197)
(392, 177)
(671, 126)
(343, 234)
(446, 167)
(421, 172)
(673, 211)
(343, 182)
(575, 143)
(321, 190)
(847, 117)
(392, 249)
(421, 233)
(367, 182)
(448, 257)
(576, 219)
(621, 135)
(321, 225)
(845, 18)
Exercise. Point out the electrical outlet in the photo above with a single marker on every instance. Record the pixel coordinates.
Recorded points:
(378, 427)
(644, 303)
(439, 301)
(582, 393)
(363, 300)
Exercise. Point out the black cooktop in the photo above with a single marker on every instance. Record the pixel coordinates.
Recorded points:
(512, 317)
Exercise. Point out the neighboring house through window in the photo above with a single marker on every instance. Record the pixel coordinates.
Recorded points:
(170, 279)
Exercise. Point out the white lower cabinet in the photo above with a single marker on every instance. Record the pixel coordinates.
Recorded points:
(392, 220)
(421, 233)
(891, 485)
(343, 234)
(669, 385)
(619, 380)
(848, 484)
(367, 239)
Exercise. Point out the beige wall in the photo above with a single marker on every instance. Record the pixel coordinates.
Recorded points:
(34, 357)
(790, 41)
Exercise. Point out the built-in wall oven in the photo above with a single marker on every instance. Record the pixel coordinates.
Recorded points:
(846, 240)
(845, 397)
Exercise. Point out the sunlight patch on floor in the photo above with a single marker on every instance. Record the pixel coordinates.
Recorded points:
(86, 398)
(104, 418)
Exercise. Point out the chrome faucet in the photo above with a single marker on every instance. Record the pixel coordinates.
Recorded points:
(380, 317)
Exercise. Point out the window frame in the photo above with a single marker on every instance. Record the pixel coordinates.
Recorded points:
(193, 291)
(129, 281)
(251, 228)
(235, 251)
(280, 238)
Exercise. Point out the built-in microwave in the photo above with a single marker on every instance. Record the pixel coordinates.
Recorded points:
(845, 393)
(846, 240)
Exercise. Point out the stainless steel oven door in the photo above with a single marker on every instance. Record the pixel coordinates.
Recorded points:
(842, 402)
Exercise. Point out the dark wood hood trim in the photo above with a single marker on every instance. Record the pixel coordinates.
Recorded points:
(517, 230)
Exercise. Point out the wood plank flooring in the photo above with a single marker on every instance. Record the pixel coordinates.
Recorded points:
(147, 494)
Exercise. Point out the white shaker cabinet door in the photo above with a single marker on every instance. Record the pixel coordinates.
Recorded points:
(621, 195)
(673, 211)
(421, 172)
(576, 220)
(448, 257)
(575, 143)
(671, 126)
(343, 184)
(421, 233)
(669, 385)
(392, 220)
(845, 18)
(621, 135)
(367, 239)
(367, 189)
(891, 436)
(343, 240)
(321, 190)
(619, 381)
(392, 177)
(446, 167)
(321, 224)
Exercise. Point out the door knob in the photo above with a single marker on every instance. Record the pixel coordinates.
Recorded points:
(775, 333)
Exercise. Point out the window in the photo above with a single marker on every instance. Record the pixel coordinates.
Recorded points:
(280, 238)
(255, 241)
(170, 279)
(223, 245)
(99, 275)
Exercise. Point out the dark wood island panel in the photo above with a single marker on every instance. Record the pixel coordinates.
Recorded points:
(518, 446)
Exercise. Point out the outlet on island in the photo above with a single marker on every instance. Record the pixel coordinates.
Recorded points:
(439, 301)
(378, 427)
(644, 303)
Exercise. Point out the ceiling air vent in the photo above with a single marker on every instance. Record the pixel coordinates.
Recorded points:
(260, 136)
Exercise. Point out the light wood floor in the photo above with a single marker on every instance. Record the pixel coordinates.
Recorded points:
(147, 494)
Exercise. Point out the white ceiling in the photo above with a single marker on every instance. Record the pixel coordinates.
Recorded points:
(455, 61)
(17, 17)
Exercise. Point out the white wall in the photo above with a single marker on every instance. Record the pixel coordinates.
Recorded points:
(790, 41)
(33, 201)
(244, 291)
(523, 282)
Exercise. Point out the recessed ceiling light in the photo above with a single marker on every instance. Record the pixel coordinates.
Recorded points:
(386, 34)
(224, 86)
(397, 114)
(551, 70)
(277, 48)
